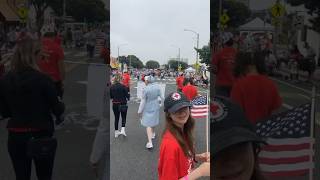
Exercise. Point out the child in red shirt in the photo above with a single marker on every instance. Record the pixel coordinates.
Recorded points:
(254, 91)
(177, 153)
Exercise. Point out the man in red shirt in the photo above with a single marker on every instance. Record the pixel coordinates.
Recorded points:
(223, 63)
(52, 62)
(179, 81)
(189, 90)
(126, 79)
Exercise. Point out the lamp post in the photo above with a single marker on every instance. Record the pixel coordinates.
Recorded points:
(197, 34)
(119, 52)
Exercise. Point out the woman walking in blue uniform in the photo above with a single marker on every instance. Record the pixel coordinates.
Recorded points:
(149, 108)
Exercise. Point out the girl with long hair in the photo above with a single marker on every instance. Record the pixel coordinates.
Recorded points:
(177, 151)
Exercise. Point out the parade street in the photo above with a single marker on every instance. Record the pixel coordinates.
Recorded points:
(129, 157)
(75, 137)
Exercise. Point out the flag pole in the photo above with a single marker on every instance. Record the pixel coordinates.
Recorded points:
(207, 122)
(312, 132)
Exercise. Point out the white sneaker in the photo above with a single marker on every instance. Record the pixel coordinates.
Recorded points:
(153, 135)
(149, 146)
(123, 132)
(116, 133)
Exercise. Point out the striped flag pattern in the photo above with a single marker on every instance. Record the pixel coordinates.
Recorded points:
(290, 145)
(199, 107)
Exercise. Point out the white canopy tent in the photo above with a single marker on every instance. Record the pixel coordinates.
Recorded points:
(190, 70)
(257, 24)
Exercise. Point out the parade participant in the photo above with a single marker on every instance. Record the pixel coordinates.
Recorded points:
(149, 109)
(105, 53)
(58, 38)
(126, 79)
(295, 58)
(69, 38)
(309, 60)
(189, 90)
(52, 63)
(223, 62)
(120, 95)
(179, 82)
(234, 143)
(91, 38)
(253, 90)
(177, 151)
(27, 98)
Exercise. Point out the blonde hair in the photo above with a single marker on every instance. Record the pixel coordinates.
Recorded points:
(117, 78)
(25, 54)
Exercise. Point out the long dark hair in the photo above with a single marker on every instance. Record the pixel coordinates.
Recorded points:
(184, 137)
(244, 59)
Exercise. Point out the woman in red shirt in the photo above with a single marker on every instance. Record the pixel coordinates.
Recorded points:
(253, 90)
(177, 153)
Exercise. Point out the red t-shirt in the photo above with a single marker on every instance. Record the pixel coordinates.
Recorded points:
(257, 95)
(54, 54)
(126, 79)
(173, 163)
(179, 81)
(190, 91)
(224, 61)
(58, 40)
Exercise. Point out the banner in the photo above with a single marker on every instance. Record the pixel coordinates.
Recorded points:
(96, 89)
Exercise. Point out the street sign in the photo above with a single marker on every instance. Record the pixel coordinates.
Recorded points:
(278, 10)
(224, 19)
(298, 22)
(23, 13)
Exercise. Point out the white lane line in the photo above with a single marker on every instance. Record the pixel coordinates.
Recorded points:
(302, 95)
(288, 84)
(287, 106)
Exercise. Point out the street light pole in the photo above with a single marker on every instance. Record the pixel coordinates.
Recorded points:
(119, 52)
(197, 57)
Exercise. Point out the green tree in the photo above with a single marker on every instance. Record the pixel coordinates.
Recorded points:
(204, 54)
(152, 64)
(135, 61)
(313, 7)
(174, 64)
(237, 11)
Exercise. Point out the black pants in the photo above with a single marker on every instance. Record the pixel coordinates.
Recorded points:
(90, 50)
(17, 148)
(116, 112)
(59, 89)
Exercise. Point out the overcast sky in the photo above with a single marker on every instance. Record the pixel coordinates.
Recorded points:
(151, 28)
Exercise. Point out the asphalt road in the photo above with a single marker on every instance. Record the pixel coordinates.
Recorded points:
(128, 155)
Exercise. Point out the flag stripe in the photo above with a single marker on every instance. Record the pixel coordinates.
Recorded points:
(199, 110)
(285, 154)
(295, 147)
(289, 141)
(286, 167)
(271, 161)
(199, 116)
(199, 106)
(286, 173)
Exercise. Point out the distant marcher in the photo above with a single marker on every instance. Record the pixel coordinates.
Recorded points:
(126, 79)
(69, 38)
(120, 95)
(223, 62)
(179, 82)
(177, 151)
(253, 90)
(52, 63)
(91, 38)
(189, 90)
(149, 109)
(27, 98)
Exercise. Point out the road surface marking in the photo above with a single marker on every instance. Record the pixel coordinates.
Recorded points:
(301, 89)
(287, 106)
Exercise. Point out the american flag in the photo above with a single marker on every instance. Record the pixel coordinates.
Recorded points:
(199, 107)
(290, 145)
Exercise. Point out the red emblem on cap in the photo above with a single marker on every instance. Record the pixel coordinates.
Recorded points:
(218, 110)
(176, 96)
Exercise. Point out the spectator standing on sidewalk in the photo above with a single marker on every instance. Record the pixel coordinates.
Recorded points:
(223, 63)
(52, 63)
(253, 90)
(27, 98)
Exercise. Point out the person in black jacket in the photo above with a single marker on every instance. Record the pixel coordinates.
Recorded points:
(120, 95)
(28, 98)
